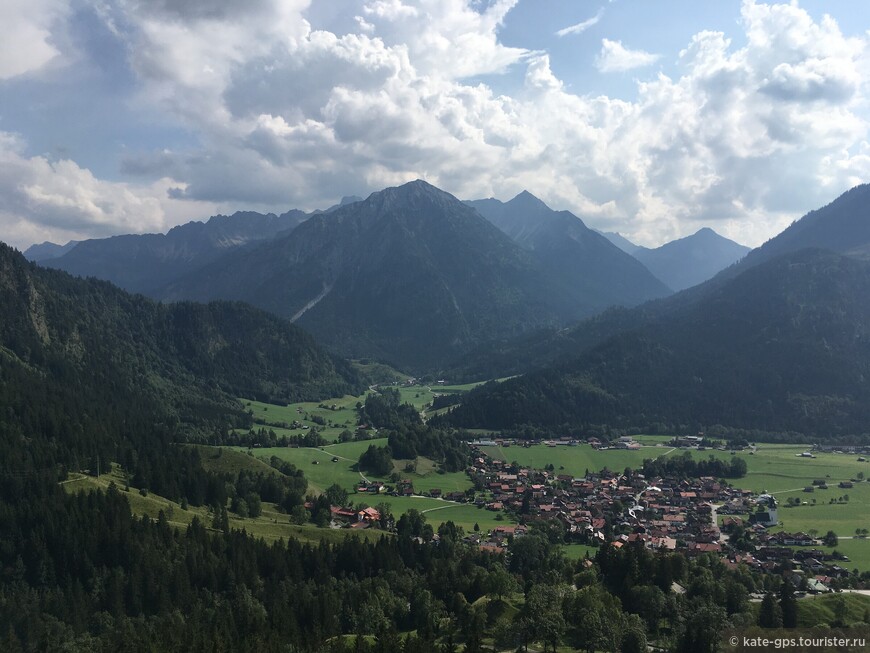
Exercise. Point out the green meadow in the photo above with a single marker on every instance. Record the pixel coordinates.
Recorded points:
(337, 415)
(317, 464)
(438, 511)
(774, 468)
(578, 551)
(572, 460)
(344, 472)
(821, 610)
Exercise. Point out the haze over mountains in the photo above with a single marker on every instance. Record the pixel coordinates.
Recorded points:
(691, 260)
(410, 275)
(784, 346)
(684, 262)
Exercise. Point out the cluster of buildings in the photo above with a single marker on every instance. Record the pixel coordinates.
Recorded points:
(612, 509)
(607, 507)
(351, 518)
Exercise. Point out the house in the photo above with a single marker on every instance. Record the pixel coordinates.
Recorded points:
(343, 515)
(369, 516)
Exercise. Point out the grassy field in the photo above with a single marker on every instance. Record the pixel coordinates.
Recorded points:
(577, 551)
(380, 372)
(819, 610)
(573, 460)
(337, 414)
(857, 550)
(272, 525)
(224, 460)
(438, 511)
(343, 472)
(323, 474)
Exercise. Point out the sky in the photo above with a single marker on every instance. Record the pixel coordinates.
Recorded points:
(652, 119)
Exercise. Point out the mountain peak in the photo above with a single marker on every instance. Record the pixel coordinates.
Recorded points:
(412, 193)
(528, 202)
(691, 260)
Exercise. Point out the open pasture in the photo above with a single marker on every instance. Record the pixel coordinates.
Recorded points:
(573, 460)
(343, 472)
(821, 610)
(438, 511)
(336, 414)
(323, 474)
(579, 551)
(779, 469)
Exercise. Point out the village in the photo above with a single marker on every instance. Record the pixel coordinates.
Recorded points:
(694, 516)
(615, 509)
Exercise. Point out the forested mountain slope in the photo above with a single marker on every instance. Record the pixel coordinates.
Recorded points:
(784, 346)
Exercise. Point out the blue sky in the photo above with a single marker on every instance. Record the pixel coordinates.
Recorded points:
(649, 118)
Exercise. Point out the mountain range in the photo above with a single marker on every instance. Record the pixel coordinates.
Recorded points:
(566, 247)
(780, 342)
(782, 347)
(146, 262)
(411, 275)
(847, 215)
(47, 250)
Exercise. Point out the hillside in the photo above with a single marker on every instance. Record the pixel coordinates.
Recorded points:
(410, 275)
(782, 347)
(86, 368)
(691, 260)
(842, 226)
(143, 263)
(567, 248)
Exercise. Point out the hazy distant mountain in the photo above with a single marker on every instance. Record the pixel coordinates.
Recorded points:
(567, 248)
(144, 263)
(410, 275)
(347, 199)
(784, 346)
(692, 260)
(47, 250)
(620, 241)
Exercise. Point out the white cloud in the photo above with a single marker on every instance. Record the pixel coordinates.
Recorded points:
(581, 27)
(742, 139)
(26, 44)
(42, 199)
(616, 58)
